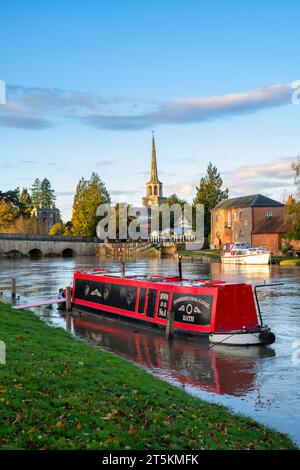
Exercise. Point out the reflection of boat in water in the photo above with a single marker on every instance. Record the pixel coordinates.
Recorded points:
(251, 273)
(242, 253)
(230, 371)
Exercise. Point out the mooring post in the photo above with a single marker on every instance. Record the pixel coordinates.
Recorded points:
(13, 288)
(170, 325)
(123, 269)
(68, 299)
(180, 267)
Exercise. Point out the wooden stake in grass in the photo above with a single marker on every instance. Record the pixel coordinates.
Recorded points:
(13, 288)
(68, 299)
(170, 325)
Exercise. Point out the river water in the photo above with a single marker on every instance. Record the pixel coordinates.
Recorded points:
(261, 382)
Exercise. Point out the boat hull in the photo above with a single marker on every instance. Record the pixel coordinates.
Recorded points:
(255, 259)
(209, 307)
(262, 336)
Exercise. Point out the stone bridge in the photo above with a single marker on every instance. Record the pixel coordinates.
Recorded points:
(37, 246)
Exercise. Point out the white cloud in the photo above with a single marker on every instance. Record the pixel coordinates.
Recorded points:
(40, 108)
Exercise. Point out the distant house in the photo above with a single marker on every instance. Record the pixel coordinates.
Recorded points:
(236, 220)
(182, 231)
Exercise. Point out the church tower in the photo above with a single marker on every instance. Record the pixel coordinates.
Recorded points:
(154, 188)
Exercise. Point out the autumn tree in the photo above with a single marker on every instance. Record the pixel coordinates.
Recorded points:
(57, 229)
(8, 215)
(89, 195)
(293, 208)
(25, 202)
(210, 193)
(12, 196)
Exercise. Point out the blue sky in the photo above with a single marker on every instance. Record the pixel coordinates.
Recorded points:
(88, 80)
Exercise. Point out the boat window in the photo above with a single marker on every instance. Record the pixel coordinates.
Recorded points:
(151, 303)
(142, 300)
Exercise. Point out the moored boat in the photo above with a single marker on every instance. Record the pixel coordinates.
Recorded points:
(242, 253)
(224, 312)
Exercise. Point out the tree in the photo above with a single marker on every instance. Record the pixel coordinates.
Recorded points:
(36, 193)
(296, 168)
(8, 215)
(210, 193)
(47, 194)
(68, 228)
(174, 199)
(293, 206)
(24, 225)
(89, 195)
(12, 196)
(170, 201)
(42, 194)
(25, 202)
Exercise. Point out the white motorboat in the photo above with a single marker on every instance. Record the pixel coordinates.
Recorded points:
(243, 253)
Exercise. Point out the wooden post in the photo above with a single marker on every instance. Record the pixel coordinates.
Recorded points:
(123, 269)
(13, 288)
(68, 299)
(170, 325)
(180, 267)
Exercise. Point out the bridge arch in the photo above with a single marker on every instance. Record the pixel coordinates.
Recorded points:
(35, 253)
(68, 253)
(14, 254)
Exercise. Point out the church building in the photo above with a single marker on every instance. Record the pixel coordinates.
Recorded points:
(154, 188)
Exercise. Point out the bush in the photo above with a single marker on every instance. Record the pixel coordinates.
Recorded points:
(57, 229)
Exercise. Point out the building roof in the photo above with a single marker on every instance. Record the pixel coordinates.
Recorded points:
(256, 200)
(273, 225)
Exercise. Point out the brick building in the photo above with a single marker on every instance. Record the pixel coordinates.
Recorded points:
(269, 233)
(236, 219)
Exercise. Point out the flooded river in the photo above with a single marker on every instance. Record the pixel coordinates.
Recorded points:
(261, 382)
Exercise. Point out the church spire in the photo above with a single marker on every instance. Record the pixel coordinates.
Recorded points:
(154, 178)
(154, 188)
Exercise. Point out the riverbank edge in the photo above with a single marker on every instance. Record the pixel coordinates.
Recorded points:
(60, 393)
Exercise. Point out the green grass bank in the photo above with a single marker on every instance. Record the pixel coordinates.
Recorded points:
(59, 393)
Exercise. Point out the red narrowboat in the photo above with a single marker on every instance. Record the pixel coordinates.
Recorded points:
(224, 312)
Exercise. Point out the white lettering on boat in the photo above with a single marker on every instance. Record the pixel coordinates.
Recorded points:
(189, 318)
(189, 298)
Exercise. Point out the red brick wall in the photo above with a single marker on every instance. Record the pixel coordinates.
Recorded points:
(241, 228)
(272, 241)
(260, 213)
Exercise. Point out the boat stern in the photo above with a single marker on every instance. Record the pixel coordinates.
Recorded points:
(260, 336)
